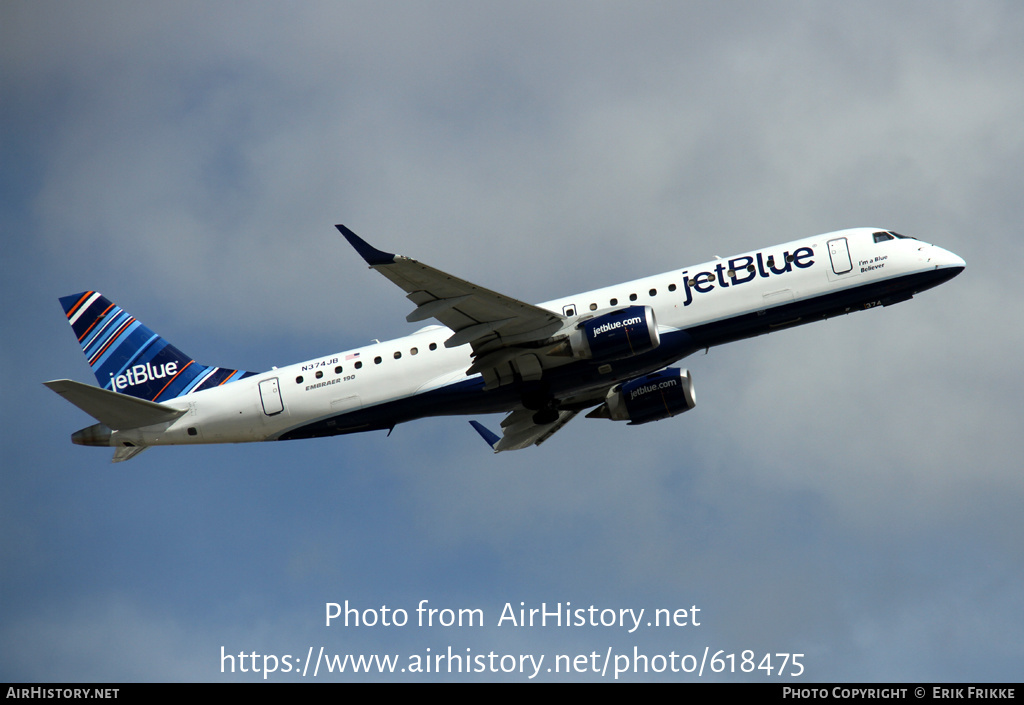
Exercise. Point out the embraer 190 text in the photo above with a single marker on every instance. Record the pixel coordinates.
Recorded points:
(611, 349)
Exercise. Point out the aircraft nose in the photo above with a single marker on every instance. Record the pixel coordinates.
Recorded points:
(944, 259)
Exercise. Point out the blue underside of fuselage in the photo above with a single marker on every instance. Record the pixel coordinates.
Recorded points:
(470, 397)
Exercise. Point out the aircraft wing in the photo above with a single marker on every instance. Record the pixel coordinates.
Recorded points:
(495, 325)
(519, 431)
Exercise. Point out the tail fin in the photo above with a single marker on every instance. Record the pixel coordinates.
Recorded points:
(129, 358)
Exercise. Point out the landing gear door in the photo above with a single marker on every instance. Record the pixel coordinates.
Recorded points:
(270, 395)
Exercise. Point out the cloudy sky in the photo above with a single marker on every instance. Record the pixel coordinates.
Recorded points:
(849, 490)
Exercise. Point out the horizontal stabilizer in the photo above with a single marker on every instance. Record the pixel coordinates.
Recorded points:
(118, 411)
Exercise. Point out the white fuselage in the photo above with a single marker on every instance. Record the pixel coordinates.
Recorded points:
(713, 302)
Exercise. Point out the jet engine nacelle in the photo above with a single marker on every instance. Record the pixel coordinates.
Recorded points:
(653, 397)
(617, 335)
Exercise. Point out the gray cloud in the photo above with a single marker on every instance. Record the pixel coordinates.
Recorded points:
(842, 489)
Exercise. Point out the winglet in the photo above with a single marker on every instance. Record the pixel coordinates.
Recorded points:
(486, 434)
(371, 254)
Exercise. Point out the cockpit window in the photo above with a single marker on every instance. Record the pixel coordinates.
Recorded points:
(883, 235)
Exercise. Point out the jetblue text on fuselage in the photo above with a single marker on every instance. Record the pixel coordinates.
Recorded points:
(740, 270)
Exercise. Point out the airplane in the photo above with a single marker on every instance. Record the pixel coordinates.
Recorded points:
(611, 350)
